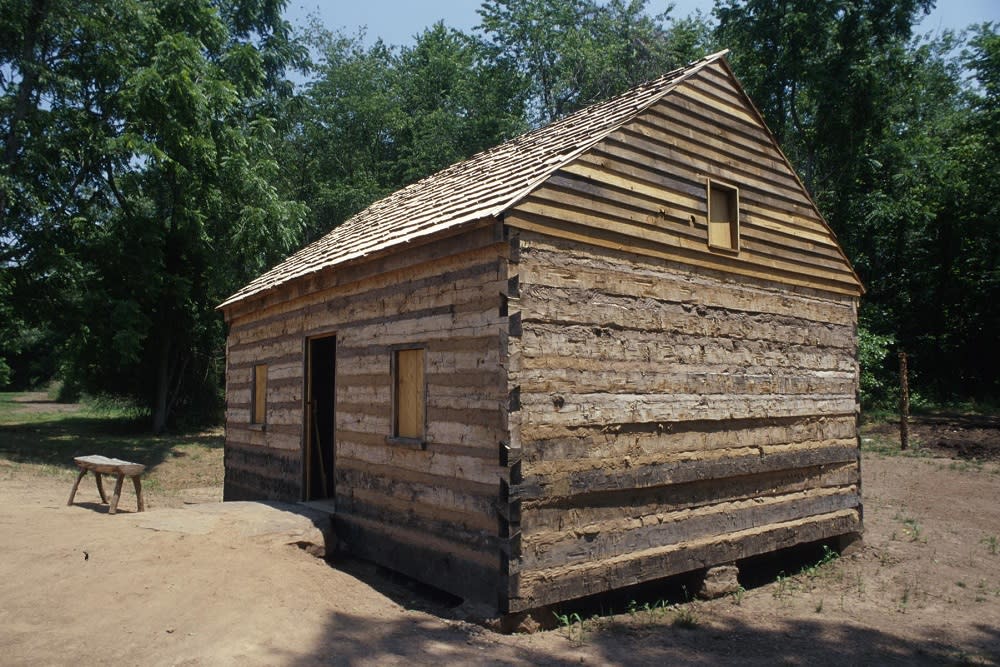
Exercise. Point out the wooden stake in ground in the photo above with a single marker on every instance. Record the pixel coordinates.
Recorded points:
(904, 403)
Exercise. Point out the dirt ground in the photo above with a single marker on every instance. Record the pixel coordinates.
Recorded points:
(78, 585)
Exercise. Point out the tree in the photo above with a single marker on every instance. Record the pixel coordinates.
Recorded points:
(138, 183)
(577, 52)
(376, 118)
(897, 149)
(456, 100)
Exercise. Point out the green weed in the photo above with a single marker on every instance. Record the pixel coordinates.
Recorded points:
(992, 544)
(573, 627)
(685, 617)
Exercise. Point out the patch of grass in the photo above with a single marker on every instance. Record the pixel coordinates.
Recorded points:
(965, 465)
(883, 446)
(41, 436)
(992, 544)
(970, 406)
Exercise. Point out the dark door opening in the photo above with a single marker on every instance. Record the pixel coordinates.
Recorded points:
(320, 422)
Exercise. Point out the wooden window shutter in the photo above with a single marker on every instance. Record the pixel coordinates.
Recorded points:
(409, 394)
(723, 216)
(259, 415)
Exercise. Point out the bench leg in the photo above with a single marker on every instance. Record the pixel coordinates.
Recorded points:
(118, 494)
(76, 485)
(100, 487)
(137, 483)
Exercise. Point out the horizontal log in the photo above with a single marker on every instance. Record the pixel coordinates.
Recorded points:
(466, 274)
(580, 346)
(434, 561)
(365, 419)
(534, 588)
(575, 410)
(599, 541)
(603, 376)
(260, 473)
(448, 493)
(631, 439)
(571, 306)
(475, 469)
(567, 478)
(476, 532)
(632, 506)
(451, 248)
(718, 264)
(550, 265)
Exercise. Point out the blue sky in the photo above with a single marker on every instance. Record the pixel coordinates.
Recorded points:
(397, 21)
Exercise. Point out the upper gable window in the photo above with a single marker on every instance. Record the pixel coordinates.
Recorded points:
(723, 216)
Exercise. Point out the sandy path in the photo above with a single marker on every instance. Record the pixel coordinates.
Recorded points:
(77, 585)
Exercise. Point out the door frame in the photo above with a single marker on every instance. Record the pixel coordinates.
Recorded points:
(308, 428)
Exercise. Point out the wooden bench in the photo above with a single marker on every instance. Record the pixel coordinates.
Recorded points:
(102, 465)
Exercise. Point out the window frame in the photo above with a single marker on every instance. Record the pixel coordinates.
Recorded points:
(733, 196)
(258, 394)
(419, 440)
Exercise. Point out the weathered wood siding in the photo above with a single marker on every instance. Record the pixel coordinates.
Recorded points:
(670, 420)
(643, 189)
(426, 512)
(678, 407)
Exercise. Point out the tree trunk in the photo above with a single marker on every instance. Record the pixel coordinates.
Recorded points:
(161, 405)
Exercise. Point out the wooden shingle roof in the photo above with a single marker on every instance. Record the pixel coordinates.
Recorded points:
(485, 185)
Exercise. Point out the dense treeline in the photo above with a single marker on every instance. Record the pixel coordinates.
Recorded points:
(156, 156)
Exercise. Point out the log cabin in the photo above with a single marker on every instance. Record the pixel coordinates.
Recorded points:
(611, 350)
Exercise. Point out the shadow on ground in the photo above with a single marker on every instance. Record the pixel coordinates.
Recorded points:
(350, 640)
(56, 440)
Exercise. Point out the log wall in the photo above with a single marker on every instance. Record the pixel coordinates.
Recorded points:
(668, 420)
(426, 512)
(678, 406)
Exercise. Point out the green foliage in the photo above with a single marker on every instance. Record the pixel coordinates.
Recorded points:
(873, 353)
(899, 151)
(155, 157)
(377, 118)
(577, 52)
(138, 185)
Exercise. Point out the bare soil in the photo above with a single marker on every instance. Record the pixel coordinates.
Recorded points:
(79, 585)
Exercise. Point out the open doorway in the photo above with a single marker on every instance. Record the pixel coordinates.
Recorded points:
(321, 361)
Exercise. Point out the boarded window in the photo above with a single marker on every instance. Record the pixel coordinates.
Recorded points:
(723, 216)
(259, 412)
(409, 395)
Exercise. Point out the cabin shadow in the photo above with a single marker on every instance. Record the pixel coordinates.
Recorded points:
(444, 634)
(354, 639)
